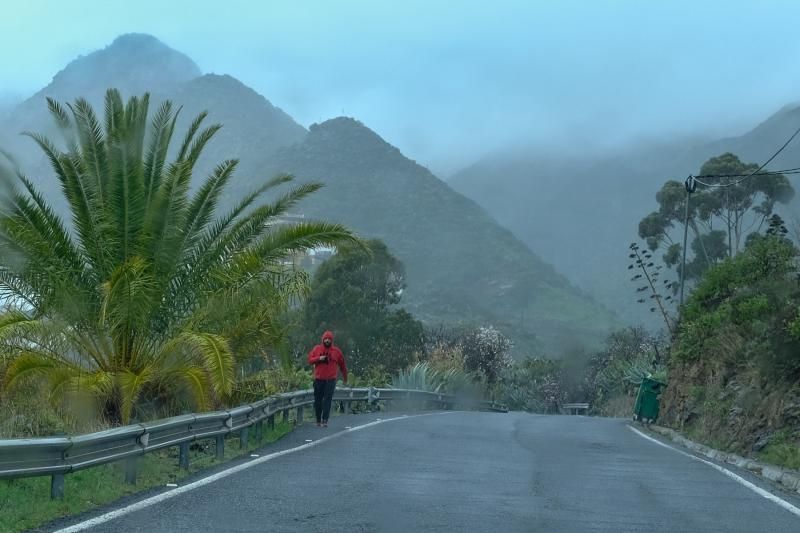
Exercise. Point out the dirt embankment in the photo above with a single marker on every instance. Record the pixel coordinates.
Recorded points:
(732, 409)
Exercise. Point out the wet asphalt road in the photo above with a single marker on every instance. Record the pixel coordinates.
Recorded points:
(470, 472)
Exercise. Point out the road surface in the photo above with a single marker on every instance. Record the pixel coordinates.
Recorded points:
(459, 472)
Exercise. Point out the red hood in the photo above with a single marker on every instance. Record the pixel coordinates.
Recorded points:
(327, 335)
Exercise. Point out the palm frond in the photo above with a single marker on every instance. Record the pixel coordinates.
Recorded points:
(114, 112)
(58, 113)
(131, 385)
(196, 381)
(203, 205)
(190, 133)
(200, 143)
(303, 236)
(92, 144)
(163, 125)
(215, 356)
(31, 364)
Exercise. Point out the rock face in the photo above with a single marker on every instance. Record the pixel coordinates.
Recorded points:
(737, 411)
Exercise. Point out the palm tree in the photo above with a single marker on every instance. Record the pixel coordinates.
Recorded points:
(150, 292)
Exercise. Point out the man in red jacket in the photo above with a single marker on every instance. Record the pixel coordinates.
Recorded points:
(327, 359)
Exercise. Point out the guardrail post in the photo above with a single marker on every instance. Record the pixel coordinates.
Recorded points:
(285, 415)
(260, 431)
(57, 487)
(271, 422)
(131, 465)
(244, 437)
(220, 445)
(299, 419)
(183, 456)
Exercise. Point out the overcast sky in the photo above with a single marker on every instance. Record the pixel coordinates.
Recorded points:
(449, 81)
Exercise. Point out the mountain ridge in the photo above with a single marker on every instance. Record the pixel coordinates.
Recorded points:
(563, 201)
(462, 265)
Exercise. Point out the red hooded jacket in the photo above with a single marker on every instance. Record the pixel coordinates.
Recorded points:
(327, 369)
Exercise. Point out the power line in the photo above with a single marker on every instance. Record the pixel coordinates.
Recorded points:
(765, 173)
(759, 169)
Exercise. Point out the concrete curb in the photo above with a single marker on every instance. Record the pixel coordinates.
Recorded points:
(789, 479)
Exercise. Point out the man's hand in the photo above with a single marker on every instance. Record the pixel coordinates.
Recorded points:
(323, 358)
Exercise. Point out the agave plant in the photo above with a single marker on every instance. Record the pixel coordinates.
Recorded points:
(418, 377)
(148, 291)
(451, 381)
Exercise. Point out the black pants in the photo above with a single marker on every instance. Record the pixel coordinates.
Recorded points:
(323, 396)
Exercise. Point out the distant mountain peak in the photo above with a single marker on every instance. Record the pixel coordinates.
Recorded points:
(221, 93)
(137, 40)
(343, 125)
(347, 131)
(224, 82)
(136, 61)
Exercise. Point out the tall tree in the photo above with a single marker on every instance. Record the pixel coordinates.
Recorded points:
(147, 291)
(355, 294)
(741, 205)
(722, 213)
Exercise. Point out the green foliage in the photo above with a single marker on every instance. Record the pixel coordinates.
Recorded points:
(617, 370)
(25, 415)
(745, 310)
(419, 377)
(533, 385)
(608, 378)
(281, 378)
(782, 450)
(148, 294)
(355, 294)
(720, 216)
(422, 377)
(375, 376)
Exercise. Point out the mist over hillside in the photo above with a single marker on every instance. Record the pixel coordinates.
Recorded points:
(463, 267)
(595, 203)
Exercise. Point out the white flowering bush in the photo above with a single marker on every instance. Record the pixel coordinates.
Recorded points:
(486, 351)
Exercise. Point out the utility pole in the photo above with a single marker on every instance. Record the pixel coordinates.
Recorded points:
(691, 185)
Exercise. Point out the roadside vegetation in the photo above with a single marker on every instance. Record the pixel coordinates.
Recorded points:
(733, 369)
(25, 503)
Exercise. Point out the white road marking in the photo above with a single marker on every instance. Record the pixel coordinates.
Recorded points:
(219, 475)
(755, 488)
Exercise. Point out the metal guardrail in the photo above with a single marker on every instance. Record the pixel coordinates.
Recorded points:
(575, 408)
(58, 456)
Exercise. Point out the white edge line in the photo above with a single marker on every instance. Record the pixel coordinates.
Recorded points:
(755, 488)
(147, 502)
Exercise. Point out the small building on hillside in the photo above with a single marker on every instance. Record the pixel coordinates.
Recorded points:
(309, 260)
